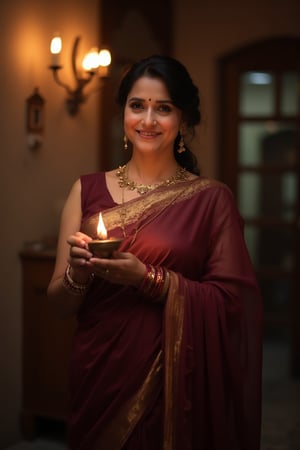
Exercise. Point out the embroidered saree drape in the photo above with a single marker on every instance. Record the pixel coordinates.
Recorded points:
(185, 374)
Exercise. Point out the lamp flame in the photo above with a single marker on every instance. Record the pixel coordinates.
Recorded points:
(101, 230)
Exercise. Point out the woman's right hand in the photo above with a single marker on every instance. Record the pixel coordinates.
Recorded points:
(79, 256)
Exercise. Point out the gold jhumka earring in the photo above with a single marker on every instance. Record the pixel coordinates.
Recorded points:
(181, 147)
(125, 142)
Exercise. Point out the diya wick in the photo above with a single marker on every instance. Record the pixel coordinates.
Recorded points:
(103, 247)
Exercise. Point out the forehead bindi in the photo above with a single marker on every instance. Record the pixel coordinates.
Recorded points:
(150, 90)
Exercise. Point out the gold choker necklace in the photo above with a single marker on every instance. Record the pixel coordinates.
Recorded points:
(125, 182)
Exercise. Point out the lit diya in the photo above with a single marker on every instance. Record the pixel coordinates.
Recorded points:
(103, 247)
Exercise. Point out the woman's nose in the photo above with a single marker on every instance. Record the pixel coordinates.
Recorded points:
(149, 118)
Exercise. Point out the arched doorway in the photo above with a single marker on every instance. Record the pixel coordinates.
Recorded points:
(260, 161)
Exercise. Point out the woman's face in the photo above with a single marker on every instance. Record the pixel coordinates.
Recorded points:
(151, 121)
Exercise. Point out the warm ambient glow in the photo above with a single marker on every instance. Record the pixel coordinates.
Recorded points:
(101, 230)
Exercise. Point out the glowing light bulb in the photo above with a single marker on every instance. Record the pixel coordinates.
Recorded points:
(55, 49)
(105, 60)
(91, 60)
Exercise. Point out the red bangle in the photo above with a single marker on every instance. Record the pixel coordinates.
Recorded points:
(155, 283)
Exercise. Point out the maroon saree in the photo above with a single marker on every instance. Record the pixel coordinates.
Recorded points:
(186, 374)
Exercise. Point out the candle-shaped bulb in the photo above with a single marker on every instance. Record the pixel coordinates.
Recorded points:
(101, 230)
(91, 60)
(104, 58)
(55, 49)
(104, 62)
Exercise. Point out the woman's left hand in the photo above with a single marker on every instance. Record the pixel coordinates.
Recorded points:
(122, 268)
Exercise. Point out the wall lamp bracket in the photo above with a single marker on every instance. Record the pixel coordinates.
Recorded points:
(93, 63)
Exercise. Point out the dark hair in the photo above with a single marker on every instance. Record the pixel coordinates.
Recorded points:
(184, 95)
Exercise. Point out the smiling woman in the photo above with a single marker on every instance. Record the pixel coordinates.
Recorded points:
(151, 125)
(167, 352)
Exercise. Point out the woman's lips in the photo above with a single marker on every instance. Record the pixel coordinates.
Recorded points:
(147, 134)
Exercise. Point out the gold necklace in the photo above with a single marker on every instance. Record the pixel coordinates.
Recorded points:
(125, 182)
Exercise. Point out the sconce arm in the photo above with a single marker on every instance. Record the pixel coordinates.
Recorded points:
(73, 58)
(57, 80)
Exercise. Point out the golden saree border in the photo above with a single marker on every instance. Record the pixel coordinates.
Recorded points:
(148, 206)
(174, 315)
(117, 432)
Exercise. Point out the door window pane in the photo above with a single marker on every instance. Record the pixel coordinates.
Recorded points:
(268, 195)
(257, 94)
(290, 94)
(249, 191)
(267, 143)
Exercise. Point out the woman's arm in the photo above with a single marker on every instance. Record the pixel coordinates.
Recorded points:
(71, 249)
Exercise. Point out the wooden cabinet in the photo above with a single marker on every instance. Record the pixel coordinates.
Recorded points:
(47, 341)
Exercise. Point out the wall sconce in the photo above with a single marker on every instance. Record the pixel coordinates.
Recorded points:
(94, 62)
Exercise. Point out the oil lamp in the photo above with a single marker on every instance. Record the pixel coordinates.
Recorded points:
(103, 247)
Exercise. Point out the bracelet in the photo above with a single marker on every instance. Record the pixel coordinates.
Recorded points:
(72, 286)
(155, 283)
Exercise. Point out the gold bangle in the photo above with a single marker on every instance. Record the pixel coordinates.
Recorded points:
(72, 286)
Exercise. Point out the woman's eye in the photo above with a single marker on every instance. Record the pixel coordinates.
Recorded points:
(135, 105)
(164, 108)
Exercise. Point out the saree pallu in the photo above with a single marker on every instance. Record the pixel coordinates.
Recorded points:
(185, 374)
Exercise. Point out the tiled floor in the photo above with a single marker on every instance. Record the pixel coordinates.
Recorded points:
(281, 416)
(281, 401)
(281, 406)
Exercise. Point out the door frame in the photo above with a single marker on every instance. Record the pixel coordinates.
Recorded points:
(278, 54)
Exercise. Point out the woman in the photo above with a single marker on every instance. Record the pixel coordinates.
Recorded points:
(167, 354)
